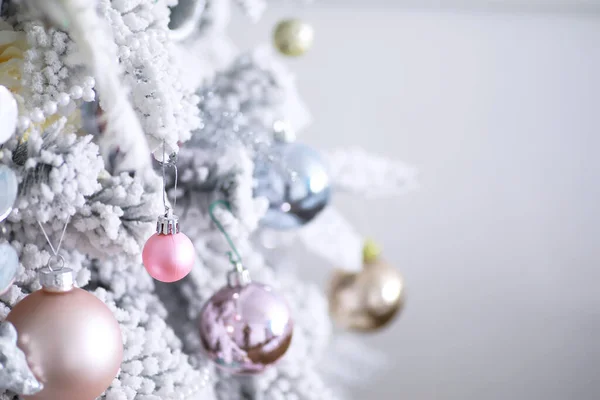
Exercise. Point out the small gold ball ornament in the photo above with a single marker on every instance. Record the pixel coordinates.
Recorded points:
(293, 37)
(368, 300)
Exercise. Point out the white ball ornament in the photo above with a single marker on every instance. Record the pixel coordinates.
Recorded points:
(8, 114)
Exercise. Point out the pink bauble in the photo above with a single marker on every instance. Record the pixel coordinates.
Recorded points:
(245, 329)
(168, 258)
(72, 342)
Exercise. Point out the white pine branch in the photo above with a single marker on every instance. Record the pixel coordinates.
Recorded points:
(98, 52)
(357, 171)
(333, 238)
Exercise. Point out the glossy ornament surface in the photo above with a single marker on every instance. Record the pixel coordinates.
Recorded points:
(293, 37)
(297, 186)
(185, 18)
(170, 257)
(9, 265)
(71, 339)
(367, 300)
(245, 329)
(9, 189)
(9, 114)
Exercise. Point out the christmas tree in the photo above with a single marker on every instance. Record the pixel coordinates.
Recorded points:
(100, 101)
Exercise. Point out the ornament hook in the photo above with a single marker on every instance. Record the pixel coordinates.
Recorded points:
(169, 162)
(234, 257)
(56, 259)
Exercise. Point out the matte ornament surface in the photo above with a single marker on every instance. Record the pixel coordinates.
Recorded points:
(8, 191)
(9, 265)
(297, 188)
(245, 329)
(169, 258)
(8, 114)
(72, 342)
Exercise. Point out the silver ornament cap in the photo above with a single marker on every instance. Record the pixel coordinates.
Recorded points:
(238, 277)
(167, 224)
(56, 280)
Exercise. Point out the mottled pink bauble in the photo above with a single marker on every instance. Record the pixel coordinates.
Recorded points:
(72, 342)
(168, 258)
(245, 329)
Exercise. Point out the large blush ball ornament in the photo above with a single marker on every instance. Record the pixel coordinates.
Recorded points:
(245, 328)
(168, 255)
(368, 300)
(293, 37)
(71, 339)
(297, 186)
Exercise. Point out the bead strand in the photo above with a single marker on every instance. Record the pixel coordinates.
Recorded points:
(61, 100)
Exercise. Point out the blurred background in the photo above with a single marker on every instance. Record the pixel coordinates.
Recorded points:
(496, 103)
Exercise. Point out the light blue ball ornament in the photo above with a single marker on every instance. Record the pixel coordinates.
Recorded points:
(9, 265)
(296, 184)
(9, 188)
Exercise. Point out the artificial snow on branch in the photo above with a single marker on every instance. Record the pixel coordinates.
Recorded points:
(96, 50)
(357, 171)
(254, 9)
(350, 362)
(241, 104)
(333, 238)
(166, 105)
(119, 217)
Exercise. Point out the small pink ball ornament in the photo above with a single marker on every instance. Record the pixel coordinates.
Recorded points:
(71, 339)
(168, 255)
(245, 327)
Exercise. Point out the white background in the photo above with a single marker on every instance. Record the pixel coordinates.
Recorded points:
(499, 109)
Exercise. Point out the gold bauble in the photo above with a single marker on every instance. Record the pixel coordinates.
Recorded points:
(293, 37)
(367, 300)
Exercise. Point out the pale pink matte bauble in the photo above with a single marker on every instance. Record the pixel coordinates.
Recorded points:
(168, 258)
(72, 342)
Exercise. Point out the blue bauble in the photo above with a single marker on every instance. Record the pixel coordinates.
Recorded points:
(9, 266)
(8, 191)
(296, 185)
